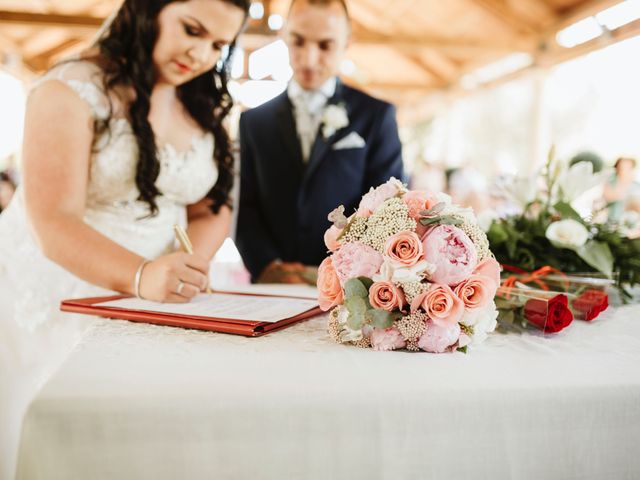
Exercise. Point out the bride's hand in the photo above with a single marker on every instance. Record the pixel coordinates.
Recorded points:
(174, 278)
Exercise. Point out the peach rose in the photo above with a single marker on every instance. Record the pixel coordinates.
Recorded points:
(330, 292)
(476, 291)
(404, 249)
(452, 252)
(489, 268)
(331, 238)
(386, 296)
(441, 305)
(418, 201)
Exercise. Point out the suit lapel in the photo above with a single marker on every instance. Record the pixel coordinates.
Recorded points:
(321, 145)
(288, 132)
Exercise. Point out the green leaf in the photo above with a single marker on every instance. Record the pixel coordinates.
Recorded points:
(497, 233)
(355, 320)
(598, 255)
(567, 211)
(435, 210)
(355, 288)
(356, 305)
(463, 349)
(380, 318)
(366, 281)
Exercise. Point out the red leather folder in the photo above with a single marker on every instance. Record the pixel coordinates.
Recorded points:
(90, 306)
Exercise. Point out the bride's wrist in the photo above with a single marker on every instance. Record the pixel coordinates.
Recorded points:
(137, 279)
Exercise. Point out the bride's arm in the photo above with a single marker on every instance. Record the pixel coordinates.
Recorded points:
(207, 231)
(56, 157)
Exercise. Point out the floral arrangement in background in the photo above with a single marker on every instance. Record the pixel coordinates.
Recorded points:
(549, 231)
(408, 270)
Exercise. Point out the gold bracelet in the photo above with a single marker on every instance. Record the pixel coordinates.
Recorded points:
(138, 277)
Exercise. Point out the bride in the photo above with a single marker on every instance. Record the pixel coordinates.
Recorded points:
(120, 144)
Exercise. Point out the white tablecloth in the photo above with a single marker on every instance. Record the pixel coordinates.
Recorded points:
(139, 401)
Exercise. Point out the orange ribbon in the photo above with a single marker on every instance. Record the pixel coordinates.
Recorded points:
(534, 277)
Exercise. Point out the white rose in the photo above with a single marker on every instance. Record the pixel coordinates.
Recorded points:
(483, 321)
(334, 118)
(567, 233)
(390, 273)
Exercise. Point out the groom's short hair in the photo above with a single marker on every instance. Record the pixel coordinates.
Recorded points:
(323, 3)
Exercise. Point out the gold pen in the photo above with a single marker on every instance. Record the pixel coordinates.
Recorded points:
(186, 245)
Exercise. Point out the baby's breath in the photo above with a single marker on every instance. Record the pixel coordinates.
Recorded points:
(390, 218)
(412, 326)
(412, 290)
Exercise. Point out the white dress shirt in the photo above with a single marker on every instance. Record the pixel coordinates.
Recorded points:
(308, 106)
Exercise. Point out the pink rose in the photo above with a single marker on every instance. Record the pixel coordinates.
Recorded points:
(440, 304)
(356, 260)
(385, 339)
(452, 252)
(404, 249)
(437, 338)
(377, 196)
(329, 289)
(386, 296)
(476, 291)
(331, 238)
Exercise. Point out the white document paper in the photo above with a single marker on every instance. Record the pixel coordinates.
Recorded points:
(221, 305)
(274, 289)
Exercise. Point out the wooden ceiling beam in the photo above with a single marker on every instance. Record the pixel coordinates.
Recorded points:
(42, 60)
(50, 20)
(559, 54)
(442, 80)
(500, 10)
(581, 11)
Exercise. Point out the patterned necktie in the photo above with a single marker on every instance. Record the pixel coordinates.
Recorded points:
(308, 111)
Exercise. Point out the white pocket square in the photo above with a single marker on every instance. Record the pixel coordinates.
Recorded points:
(353, 140)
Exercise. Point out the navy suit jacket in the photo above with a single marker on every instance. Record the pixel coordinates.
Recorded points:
(284, 202)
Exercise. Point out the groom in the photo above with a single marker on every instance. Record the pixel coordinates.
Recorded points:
(316, 146)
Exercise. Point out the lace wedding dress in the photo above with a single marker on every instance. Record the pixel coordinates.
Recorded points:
(35, 336)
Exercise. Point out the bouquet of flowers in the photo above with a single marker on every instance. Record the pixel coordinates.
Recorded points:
(408, 270)
(550, 232)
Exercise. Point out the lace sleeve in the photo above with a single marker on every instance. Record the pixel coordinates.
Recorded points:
(84, 78)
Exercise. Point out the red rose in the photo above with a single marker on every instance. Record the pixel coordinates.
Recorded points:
(550, 315)
(590, 304)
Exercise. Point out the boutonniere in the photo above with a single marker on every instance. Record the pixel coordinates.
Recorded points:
(334, 117)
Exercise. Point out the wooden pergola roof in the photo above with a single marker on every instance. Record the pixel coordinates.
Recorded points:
(403, 49)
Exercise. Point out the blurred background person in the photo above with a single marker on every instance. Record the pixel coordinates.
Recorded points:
(7, 189)
(622, 191)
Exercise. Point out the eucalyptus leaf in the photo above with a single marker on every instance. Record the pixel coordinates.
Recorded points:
(355, 321)
(380, 318)
(356, 305)
(598, 255)
(366, 281)
(355, 288)
(435, 210)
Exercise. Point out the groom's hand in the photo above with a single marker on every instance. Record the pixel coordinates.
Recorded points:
(283, 272)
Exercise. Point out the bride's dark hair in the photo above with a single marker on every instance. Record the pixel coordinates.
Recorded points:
(125, 55)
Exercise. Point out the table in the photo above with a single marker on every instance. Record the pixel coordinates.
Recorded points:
(140, 401)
